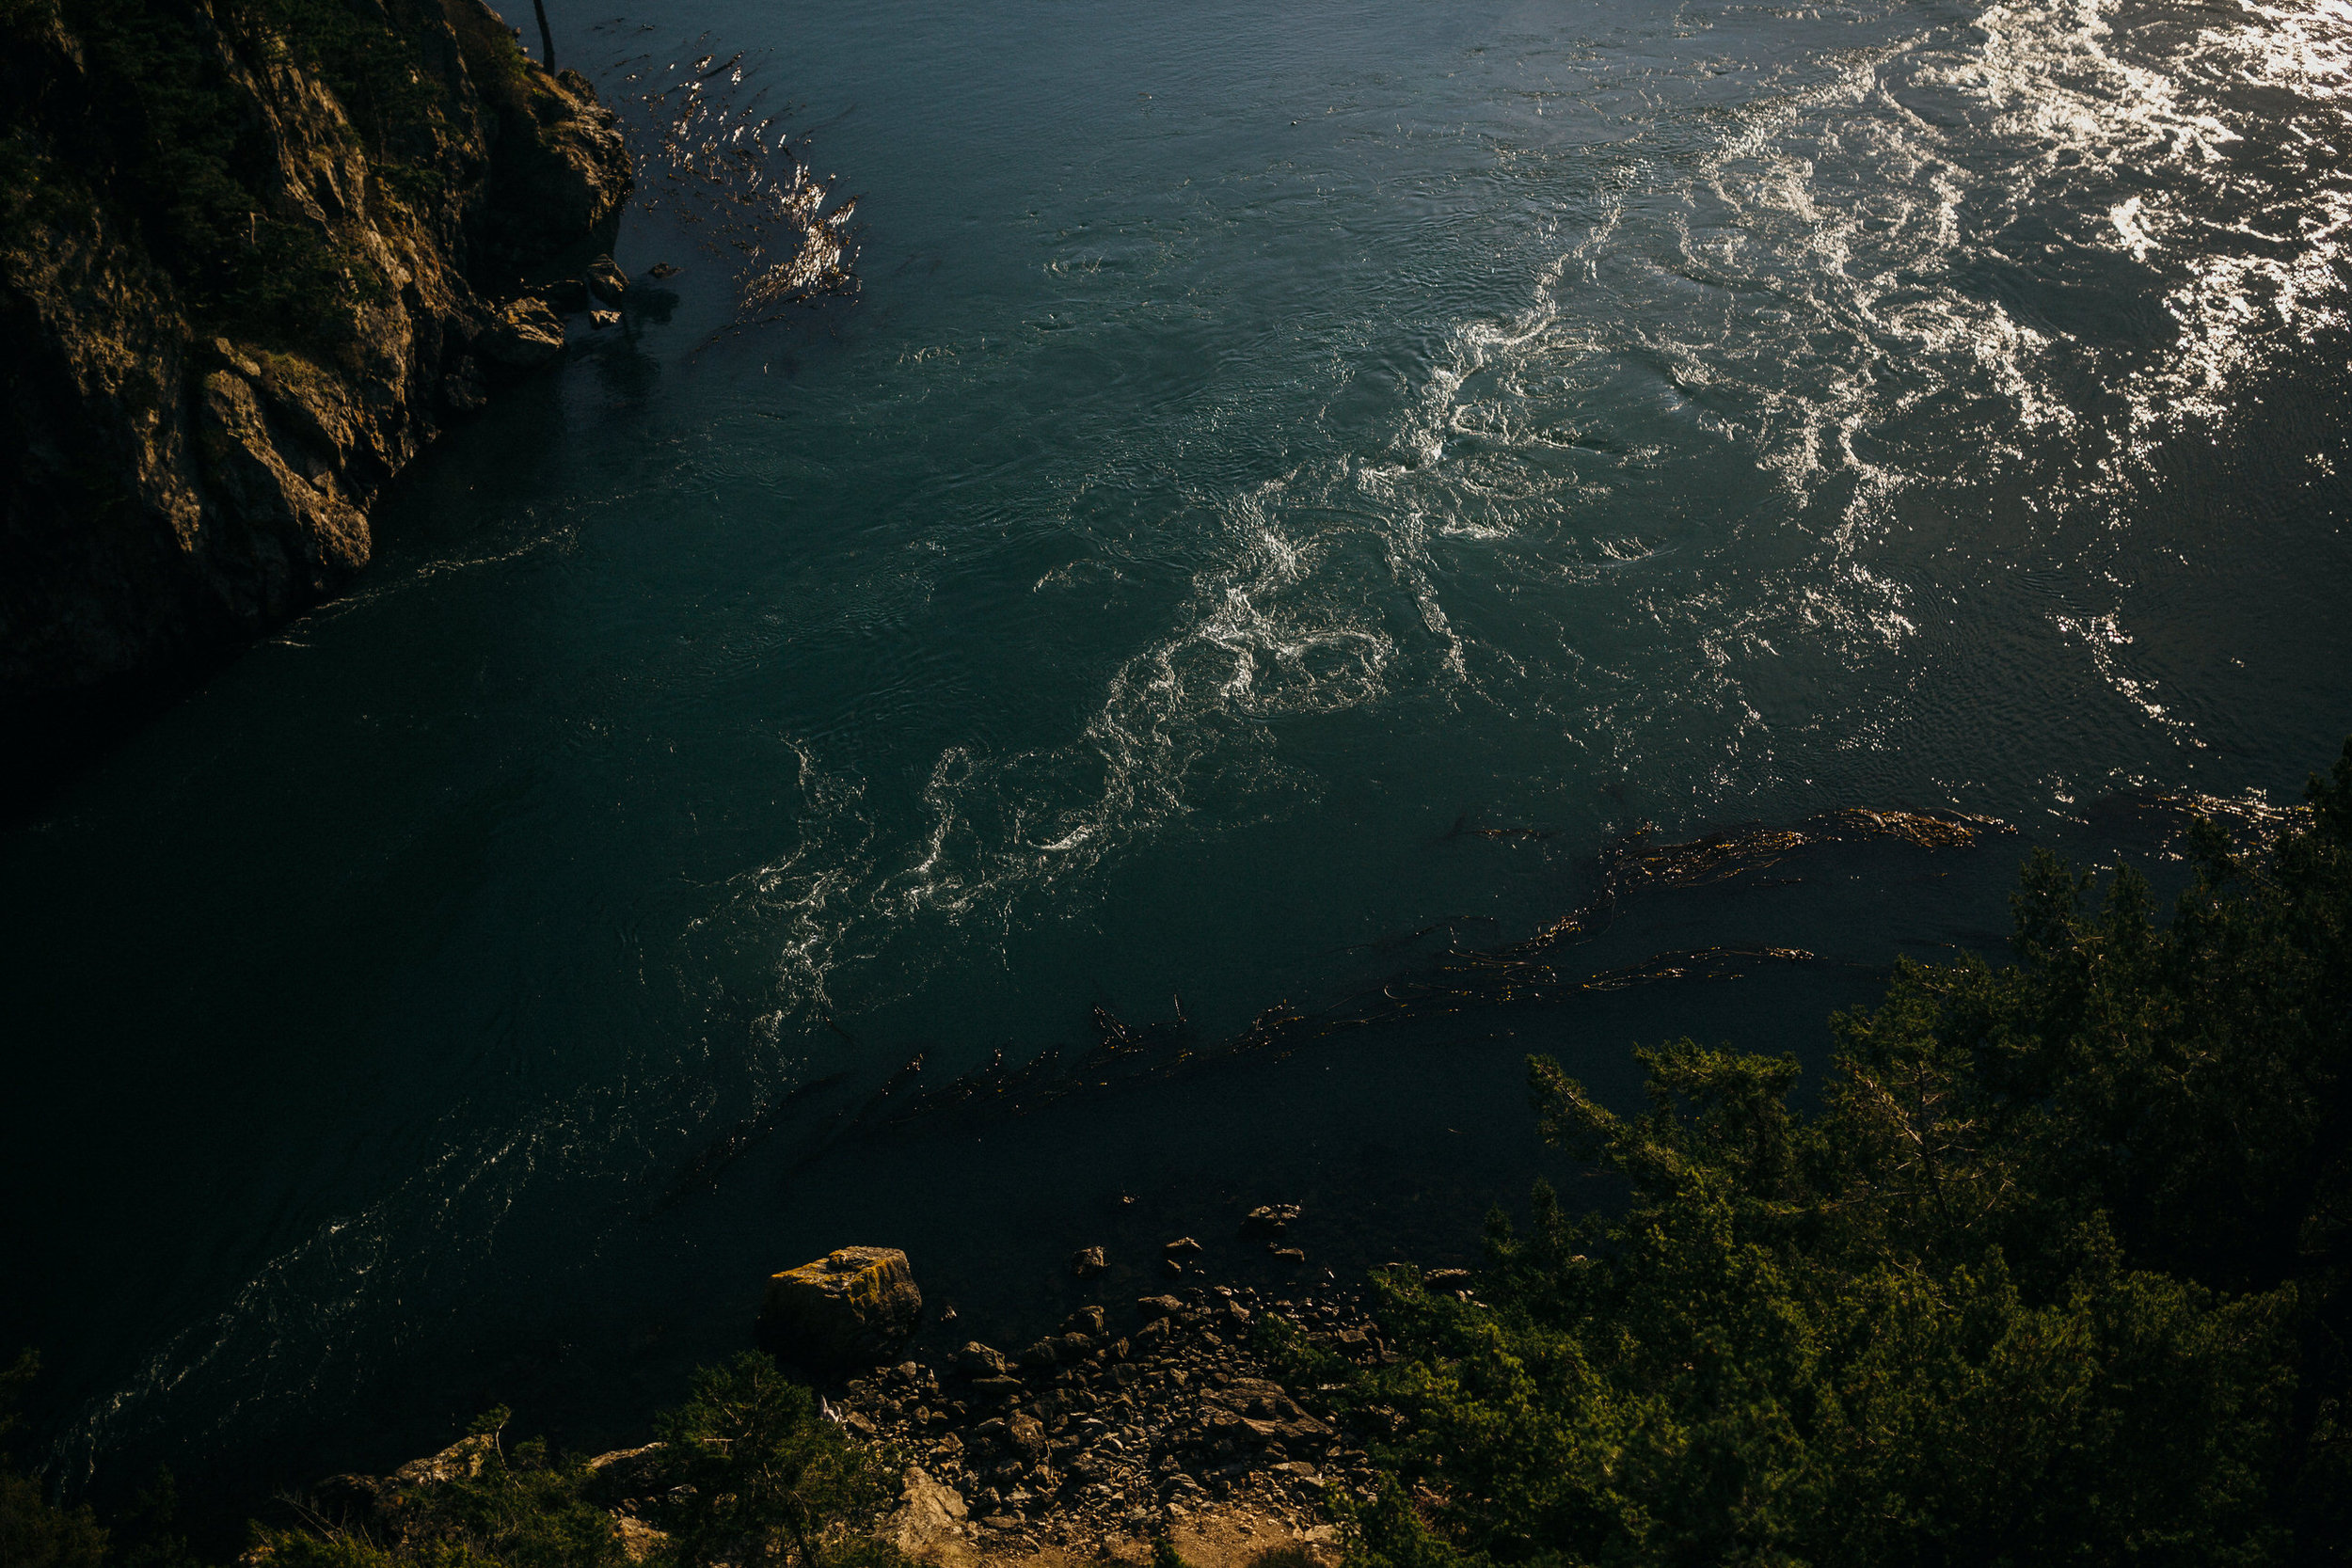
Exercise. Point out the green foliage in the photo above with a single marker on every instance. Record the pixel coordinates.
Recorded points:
(770, 1479)
(1165, 1555)
(522, 1509)
(35, 1532)
(2056, 1273)
(1292, 1358)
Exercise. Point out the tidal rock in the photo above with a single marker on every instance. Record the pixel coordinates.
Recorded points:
(1287, 1254)
(1182, 1248)
(599, 320)
(846, 1309)
(662, 270)
(1088, 1262)
(1086, 1320)
(606, 280)
(1160, 1307)
(526, 336)
(1271, 1219)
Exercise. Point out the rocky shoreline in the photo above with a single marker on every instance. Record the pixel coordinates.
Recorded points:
(1166, 1420)
(1105, 1435)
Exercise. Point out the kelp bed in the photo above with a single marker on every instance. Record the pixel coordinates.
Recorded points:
(1535, 972)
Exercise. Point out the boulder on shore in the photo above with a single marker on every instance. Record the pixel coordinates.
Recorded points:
(847, 1309)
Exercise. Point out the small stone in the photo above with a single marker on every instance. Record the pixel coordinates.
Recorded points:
(661, 270)
(1025, 1436)
(1154, 1307)
(1086, 1320)
(1288, 1254)
(1270, 1219)
(599, 320)
(1088, 1262)
(1183, 1246)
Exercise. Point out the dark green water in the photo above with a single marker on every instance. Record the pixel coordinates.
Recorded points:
(1269, 443)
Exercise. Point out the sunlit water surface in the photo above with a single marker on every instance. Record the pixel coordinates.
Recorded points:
(1272, 451)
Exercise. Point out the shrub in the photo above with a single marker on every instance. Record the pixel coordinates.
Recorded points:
(770, 1480)
(2056, 1273)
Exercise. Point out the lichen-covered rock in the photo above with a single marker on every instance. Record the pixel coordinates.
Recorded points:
(639, 1539)
(461, 1460)
(849, 1307)
(927, 1514)
(210, 382)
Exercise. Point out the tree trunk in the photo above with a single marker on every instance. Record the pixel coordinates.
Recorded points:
(546, 36)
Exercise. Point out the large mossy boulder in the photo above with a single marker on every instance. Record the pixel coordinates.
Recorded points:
(850, 1309)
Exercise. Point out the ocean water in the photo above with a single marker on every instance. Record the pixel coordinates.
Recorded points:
(1276, 495)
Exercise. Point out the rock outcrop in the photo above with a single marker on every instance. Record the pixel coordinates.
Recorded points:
(251, 261)
(1124, 1435)
(843, 1311)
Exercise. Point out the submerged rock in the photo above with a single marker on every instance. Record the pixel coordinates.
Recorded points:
(847, 1309)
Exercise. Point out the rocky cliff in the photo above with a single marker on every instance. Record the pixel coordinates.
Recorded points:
(253, 255)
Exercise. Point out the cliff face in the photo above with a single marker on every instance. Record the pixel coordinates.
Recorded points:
(251, 259)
